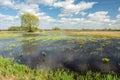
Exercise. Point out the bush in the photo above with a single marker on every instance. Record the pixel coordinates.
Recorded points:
(56, 28)
(14, 28)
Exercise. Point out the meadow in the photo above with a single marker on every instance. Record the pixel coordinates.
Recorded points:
(60, 55)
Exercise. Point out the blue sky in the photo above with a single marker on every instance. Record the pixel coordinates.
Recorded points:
(66, 14)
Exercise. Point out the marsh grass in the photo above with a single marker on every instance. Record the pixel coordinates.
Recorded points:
(105, 60)
(9, 34)
(105, 34)
(20, 54)
(81, 40)
(43, 53)
(10, 70)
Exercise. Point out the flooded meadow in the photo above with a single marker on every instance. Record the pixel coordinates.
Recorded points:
(52, 51)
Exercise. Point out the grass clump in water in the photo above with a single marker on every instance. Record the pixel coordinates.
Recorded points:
(44, 53)
(105, 60)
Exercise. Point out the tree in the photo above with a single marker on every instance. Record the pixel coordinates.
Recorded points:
(55, 28)
(29, 22)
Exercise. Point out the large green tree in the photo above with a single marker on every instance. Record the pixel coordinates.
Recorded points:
(29, 22)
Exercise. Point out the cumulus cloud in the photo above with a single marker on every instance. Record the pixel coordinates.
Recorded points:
(7, 3)
(8, 20)
(27, 8)
(69, 8)
(119, 9)
(20, 7)
(100, 16)
(96, 20)
(45, 2)
(7, 17)
(118, 16)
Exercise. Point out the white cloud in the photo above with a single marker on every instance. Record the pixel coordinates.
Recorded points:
(45, 2)
(97, 20)
(101, 20)
(20, 7)
(119, 9)
(83, 13)
(118, 16)
(27, 8)
(101, 16)
(44, 17)
(6, 3)
(45, 20)
(7, 18)
(69, 8)
(117, 22)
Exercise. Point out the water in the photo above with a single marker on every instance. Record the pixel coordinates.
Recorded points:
(63, 51)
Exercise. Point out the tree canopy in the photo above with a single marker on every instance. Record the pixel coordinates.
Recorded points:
(29, 22)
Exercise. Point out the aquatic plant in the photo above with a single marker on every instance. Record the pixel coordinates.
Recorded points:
(118, 42)
(44, 53)
(80, 40)
(12, 45)
(107, 42)
(20, 54)
(105, 60)
(6, 49)
(93, 39)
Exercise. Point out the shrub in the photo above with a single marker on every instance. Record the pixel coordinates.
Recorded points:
(14, 28)
(55, 28)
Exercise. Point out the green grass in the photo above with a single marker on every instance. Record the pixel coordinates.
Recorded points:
(10, 70)
(53, 37)
(9, 34)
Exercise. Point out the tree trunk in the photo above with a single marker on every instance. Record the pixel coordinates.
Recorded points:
(30, 29)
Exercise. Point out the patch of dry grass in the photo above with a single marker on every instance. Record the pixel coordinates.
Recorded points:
(110, 34)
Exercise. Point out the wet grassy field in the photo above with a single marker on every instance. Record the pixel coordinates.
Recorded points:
(60, 55)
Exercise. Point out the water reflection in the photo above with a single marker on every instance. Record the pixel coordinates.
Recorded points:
(66, 54)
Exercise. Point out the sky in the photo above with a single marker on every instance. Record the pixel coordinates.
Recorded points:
(65, 14)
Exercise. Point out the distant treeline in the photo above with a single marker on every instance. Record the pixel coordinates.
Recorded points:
(93, 29)
(84, 29)
(18, 28)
